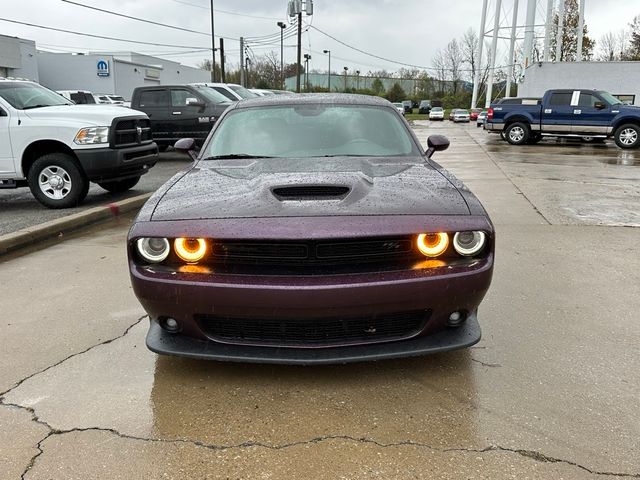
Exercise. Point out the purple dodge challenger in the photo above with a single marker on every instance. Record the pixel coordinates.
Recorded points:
(311, 229)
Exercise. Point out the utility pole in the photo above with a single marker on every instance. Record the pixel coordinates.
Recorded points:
(357, 79)
(580, 32)
(476, 79)
(242, 81)
(295, 9)
(560, 32)
(223, 77)
(282, 26)
(494, 46)
(213, 48)
(345, 78)
(299, 51)
(329, 74)
(307, 57)
(512, 45)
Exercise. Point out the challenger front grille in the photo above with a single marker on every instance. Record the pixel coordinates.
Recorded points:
(314, 332)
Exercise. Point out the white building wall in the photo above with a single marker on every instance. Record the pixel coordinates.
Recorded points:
(18, 58)
(127, 70)
(618, 78)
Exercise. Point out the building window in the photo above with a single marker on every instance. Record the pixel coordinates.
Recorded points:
(627, 99)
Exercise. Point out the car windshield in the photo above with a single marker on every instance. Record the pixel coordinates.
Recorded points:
(436, 109)
(243, 92)
(610, 99)
(462, 112)
(30, 95)
(116, 98)
(311, 130)
(212, 95)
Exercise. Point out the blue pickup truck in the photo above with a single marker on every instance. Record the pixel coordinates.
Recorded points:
(589, 114)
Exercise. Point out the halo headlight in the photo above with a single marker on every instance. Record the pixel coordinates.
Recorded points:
(469, 243)
(153, 249)
(191, 250)
(432, 244)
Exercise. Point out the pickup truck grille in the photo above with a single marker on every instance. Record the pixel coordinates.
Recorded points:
(130, 132)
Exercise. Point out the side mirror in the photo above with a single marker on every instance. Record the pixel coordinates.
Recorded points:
(436, 143)
(600, 105)
(189, 146)
(194, 102)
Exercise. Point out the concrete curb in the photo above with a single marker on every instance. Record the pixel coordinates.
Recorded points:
(31, 235)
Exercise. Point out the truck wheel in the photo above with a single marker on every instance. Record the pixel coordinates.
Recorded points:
(57, 181)
(517, 133)
(628, 136)
(120, 185)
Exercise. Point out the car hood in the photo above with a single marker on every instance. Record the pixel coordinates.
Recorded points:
(88, 115)
(245, 188)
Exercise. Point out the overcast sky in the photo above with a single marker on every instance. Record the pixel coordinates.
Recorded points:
(408, 31)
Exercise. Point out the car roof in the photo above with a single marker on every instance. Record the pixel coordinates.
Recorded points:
(314, 99)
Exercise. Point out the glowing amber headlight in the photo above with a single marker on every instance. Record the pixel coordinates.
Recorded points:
(432, 244)
(190, 250)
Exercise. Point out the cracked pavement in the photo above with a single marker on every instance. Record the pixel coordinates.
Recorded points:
(552, 390)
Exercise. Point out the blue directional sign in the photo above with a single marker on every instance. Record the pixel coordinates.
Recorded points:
(103, 68)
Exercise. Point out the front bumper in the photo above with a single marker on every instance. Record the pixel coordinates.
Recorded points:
(109, 164)
(162, 342)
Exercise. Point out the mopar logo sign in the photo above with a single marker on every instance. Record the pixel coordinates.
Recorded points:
(103, 68)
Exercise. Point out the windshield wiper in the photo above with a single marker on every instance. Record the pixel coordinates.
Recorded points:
(42, 105)
(234, 155)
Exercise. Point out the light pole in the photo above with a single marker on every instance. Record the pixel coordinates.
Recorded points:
(307, 57)
(282, 26)
(357, 79)
(329, 74)
(345, 78)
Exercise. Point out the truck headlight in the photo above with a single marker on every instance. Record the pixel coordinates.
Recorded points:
(92, 135)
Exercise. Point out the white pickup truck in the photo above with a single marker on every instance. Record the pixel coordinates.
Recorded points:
(57, 148)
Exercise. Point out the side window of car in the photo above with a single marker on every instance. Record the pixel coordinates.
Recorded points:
(225, 92)
(153, 98)
(180, 97)
(587, 100)
(560, 99)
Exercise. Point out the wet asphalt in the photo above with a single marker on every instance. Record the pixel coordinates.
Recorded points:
(551, 392)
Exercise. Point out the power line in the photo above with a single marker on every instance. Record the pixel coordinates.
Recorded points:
(140, 42)
(144, 20)
(227, 11)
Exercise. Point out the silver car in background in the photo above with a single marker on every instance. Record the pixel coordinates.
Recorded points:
(436, 113)
(461, 115)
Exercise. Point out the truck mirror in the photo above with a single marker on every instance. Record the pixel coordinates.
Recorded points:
(436, 143)
(194, 102)
(600, 105)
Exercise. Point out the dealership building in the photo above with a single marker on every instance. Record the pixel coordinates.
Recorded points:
(618, 78)
(18, 58)
(113, 73)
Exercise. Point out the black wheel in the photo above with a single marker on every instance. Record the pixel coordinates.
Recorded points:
(57, 181)
(120, 185)
(517, 133)
(534, 138)
(627, 136)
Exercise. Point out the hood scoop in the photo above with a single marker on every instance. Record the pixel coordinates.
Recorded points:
(311, 192)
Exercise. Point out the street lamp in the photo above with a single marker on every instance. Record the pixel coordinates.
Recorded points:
(282, 26)
(329, 74)
(345, 78)
(307, 57)
(357, 79)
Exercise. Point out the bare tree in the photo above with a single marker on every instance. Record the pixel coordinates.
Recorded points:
(469, 44)
(440, 66)
(454, 59)
(607, 47)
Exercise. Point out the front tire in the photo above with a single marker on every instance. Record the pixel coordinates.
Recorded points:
(120, 186)
(627, 136)
(517, 133)
(56, 181)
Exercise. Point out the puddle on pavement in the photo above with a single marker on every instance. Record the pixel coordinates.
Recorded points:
(626, 159)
